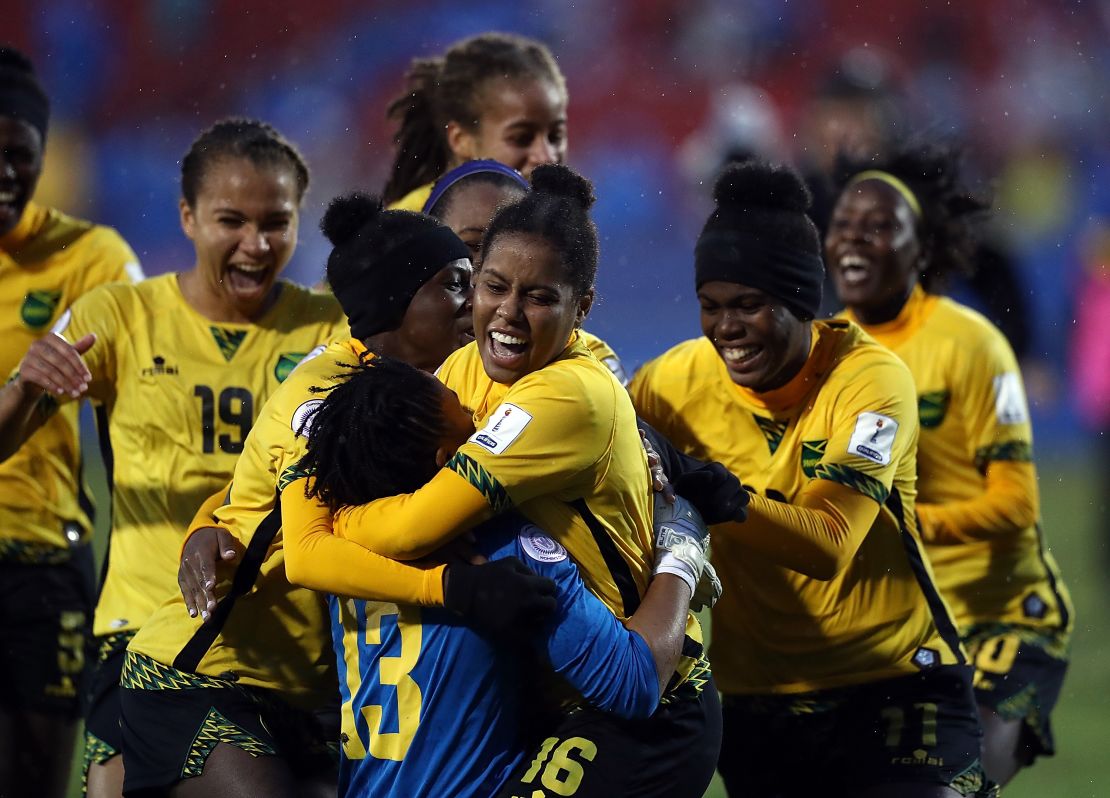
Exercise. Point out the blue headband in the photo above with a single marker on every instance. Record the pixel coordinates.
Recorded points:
(466, 170)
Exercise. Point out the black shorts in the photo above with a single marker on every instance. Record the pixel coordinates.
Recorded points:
(46, 608)
(102, 734)
(922, 728)
(172, 720)
(592, 754)
(1018, 675)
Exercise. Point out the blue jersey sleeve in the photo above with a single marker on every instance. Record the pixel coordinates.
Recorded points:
(611, 666)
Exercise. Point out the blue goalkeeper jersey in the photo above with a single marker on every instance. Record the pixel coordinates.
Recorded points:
(432, 708)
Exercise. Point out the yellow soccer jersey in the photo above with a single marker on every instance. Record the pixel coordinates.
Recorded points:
(414, 200)
(175, 396)
(273, 635)
(561, 445)
(973, 412)
(846, 417)
(46, 262)
(605, 353)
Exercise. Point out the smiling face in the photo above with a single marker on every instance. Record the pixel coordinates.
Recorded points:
(761, 342)
(20, 168)
(244, 230)
(471, 209)
(525, 307)
(458, 424)
(438, 319)
(522, 123)
(873, 251)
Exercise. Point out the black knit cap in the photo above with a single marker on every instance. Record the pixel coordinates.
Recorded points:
(21, 94)
(381, 258)
(759, 236)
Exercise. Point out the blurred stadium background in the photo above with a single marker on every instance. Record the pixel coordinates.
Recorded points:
(662, 92)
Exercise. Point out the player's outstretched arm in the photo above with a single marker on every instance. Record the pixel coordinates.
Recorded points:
(1007, 506)
(52, 366)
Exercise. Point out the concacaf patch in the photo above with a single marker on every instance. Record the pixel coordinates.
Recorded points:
(302, 417)
(1009, 399)
(539, 546)
(502, 428)
(873, 438)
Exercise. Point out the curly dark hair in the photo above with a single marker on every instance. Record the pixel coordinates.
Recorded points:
(448, 89)
(949, 208)
(375, 434)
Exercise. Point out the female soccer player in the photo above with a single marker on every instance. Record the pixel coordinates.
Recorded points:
(383, 430)
(839, 663)
(404, 281)
(898, 229)
(47, 260)
(494, 95)
(466, 198)
(178, 366)
(558, 441)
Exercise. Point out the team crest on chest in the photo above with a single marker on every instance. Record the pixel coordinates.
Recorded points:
(286, 362)
(38, 308)
(932, 407)
(812, 452)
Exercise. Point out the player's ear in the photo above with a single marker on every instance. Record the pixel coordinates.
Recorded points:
(461, 141)
(583, 309)
(188, 219)
(443, 454)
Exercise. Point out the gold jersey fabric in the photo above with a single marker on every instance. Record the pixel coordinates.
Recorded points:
(973, 413)
(606, 354)
(272, 634)
(774, 629)
(414, 200)
(561, 445)
(46, 263)
(176, 395)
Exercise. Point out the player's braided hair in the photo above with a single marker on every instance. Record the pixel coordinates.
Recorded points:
(557, 210)
(448, 89)
(376, 434)
(949, 209)
(256, 141)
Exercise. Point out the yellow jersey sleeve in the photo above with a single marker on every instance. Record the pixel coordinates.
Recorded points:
(100, 312)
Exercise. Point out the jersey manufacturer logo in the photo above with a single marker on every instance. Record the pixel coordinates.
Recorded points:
(286, 362)
(1009, 399)
(1034, 606)
(925, 657)
(873, 438)
(932, 406)
(539, 546)
(158, 367)
(38, 308)
(302, 417)
(502, 428)
(228, 340)
(812, 452)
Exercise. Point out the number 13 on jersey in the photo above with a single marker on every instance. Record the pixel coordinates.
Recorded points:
(382, 622)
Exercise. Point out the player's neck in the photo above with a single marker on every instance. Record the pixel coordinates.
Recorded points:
(212, 303)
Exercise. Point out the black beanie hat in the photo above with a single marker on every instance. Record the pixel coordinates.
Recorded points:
(21, 94)
(381, 258)
(759, 236)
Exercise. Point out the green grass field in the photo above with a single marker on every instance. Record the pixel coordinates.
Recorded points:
(1079, 538)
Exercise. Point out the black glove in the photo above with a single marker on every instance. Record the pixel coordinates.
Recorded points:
(714, 491)
(499, 596)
